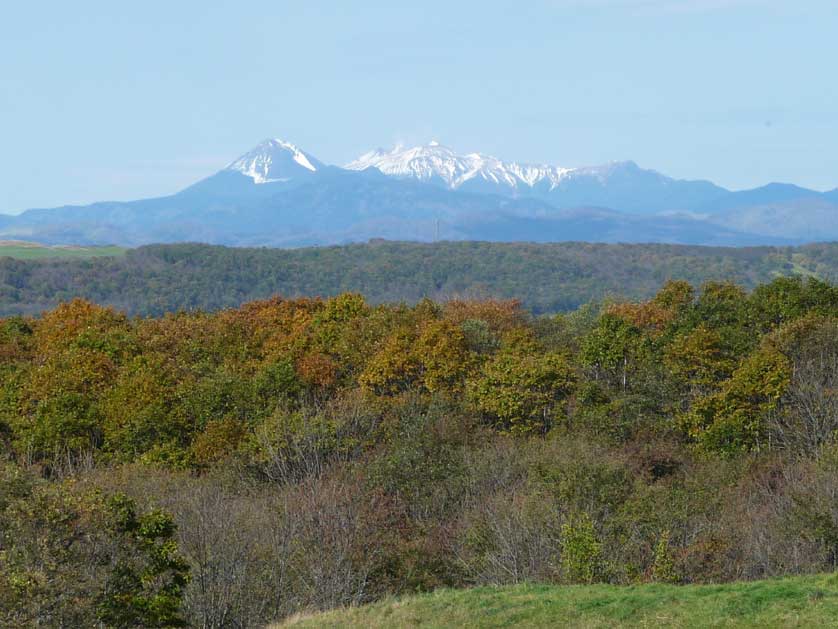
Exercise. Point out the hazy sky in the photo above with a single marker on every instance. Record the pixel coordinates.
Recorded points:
(113, 100)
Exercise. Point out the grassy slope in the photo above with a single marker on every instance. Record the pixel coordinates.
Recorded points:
(34, 251)
(791, 602)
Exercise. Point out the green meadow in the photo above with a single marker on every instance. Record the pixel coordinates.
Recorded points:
(22, 250)
(791, 602)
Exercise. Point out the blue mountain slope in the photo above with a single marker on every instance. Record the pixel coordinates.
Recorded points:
(772, 193)
(603, 225)
(278, 195)
(806, 219)
(627, 187)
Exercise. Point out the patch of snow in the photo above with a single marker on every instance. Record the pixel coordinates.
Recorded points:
(435, 160)
(272, 161)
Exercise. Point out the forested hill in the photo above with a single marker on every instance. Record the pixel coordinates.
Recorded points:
(546, 277)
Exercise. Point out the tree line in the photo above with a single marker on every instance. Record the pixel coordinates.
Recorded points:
(547, 278)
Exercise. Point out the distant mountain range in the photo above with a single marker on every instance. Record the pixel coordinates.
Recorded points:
(279, 195)
(618, 185)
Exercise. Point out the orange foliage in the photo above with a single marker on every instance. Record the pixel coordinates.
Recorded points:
(318, 370)
(441, 349)
(218, 439)
(647, 316)
(654, 315)
(60, 327)
(501, 315)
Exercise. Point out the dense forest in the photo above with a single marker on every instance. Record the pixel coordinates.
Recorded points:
(547, 278)
(233, 468)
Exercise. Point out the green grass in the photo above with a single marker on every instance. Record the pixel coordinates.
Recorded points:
(791, 602)
(32, 251)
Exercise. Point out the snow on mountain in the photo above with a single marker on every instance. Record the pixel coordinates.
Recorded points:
(275, 161)
(617, 185)
(435, 161)
(304, 201)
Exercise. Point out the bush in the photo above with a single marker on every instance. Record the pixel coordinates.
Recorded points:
(85, 560)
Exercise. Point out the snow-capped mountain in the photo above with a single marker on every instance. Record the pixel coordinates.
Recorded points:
(271, 165)
(435, 162)
(619, 185)
(277, 194)
(273, 161)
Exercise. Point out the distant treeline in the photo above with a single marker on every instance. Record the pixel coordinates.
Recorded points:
(547, 278)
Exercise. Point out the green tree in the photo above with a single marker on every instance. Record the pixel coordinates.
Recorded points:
(788, 298)
(734, 419)
(697, 361)
(444, 357)
(663, 567)
(522, 393)
(581, 550)
(611, 350)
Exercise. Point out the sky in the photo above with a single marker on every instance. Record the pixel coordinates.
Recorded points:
(103, 100)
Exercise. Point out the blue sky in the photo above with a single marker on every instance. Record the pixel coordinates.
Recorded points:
(108, 100)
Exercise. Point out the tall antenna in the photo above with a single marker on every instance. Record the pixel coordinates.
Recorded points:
(437, 231)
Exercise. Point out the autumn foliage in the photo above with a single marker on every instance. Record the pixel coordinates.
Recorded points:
(321, 452)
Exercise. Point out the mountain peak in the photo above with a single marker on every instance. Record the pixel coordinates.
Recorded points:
(275, 160)
(433, 161)
(604, 171)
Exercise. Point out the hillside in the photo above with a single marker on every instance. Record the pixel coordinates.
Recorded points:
(545, 277)
(292, 456)
(794, 602)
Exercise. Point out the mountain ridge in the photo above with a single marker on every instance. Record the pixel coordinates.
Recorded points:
(277, 194)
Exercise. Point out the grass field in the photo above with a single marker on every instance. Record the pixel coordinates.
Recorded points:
(791, 602)
(31, 251)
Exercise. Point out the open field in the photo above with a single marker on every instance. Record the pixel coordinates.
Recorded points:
(791, 602)
(23, 250)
